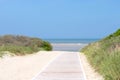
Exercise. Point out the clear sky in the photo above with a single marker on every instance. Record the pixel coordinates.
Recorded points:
(59, 18)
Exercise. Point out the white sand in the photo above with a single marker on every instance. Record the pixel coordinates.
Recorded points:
(27, 67)
(89, 71)
(24, 67)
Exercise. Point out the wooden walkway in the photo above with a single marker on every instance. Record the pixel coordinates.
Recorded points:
(67, 66)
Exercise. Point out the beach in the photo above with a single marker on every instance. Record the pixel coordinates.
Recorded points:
(27, 67)
(24, 67)
(76, 47)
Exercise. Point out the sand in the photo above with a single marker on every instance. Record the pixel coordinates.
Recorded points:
(27, 67)
(68, 46)
(90, 73)
(24, 67)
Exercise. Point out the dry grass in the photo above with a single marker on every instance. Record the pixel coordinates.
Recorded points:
(104, 56)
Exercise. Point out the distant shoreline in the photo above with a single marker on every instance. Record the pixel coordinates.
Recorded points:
(68, 46)
(71, 40)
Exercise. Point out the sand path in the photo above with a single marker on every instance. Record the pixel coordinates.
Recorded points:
(29, 66)
(24, 67)
(66, 66)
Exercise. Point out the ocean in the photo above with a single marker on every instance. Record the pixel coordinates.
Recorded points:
(69, 44)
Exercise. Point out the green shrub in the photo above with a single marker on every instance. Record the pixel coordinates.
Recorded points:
(117, 33)
(47, 46)
(21, 45)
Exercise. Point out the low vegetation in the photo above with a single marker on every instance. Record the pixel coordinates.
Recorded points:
(104, 56)
(21, 45)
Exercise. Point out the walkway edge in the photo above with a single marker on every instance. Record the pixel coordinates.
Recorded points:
(83, 70)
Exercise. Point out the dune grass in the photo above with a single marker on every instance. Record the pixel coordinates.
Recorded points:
(104, 56)
(21, 45)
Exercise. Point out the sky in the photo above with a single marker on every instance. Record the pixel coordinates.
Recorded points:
(49, 19)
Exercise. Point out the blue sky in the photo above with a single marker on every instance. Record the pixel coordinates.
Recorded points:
(59, 18)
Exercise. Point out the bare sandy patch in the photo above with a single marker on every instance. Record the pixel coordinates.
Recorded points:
(27, 67)
(24, 67)
(88, 69)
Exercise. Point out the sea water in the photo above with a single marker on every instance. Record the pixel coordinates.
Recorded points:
(69, 44)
